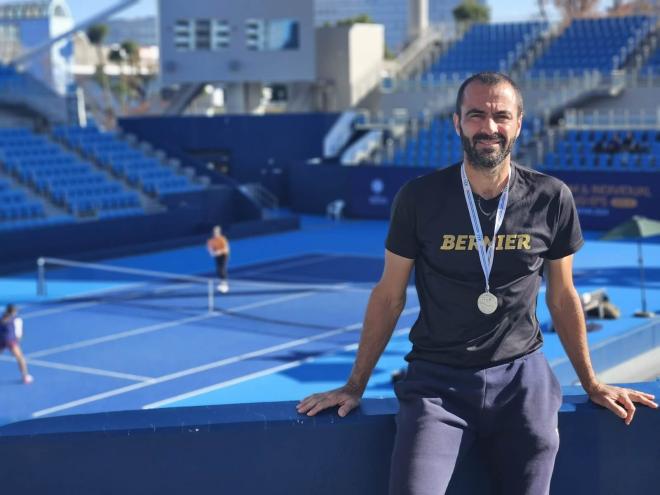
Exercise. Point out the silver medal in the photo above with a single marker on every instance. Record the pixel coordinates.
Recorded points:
(487, 303)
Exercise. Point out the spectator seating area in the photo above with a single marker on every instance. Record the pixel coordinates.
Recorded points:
(125, 161)
(652, 64)
(493, 47)
(438, 145)
(69, 182)
(606, 150)
(593, 44)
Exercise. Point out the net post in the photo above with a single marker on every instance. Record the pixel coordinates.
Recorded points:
(211, 295)
(41, 277)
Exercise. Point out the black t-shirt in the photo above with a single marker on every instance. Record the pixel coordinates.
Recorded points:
(430, 223)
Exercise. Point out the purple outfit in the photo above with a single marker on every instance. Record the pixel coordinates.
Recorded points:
(8, 333)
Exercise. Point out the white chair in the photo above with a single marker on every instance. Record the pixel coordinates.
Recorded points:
(335, 209)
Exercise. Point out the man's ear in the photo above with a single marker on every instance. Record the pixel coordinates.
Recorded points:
(457, 123)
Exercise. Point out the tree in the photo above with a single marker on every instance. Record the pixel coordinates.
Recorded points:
(358, 19)
(96, 33)
(470, 11)
(570, 9)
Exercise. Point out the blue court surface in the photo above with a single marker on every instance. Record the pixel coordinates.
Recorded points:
(289, 326)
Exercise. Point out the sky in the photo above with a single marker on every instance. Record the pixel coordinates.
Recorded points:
(501, 10)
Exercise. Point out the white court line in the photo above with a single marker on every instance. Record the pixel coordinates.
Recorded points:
(252, 376)
(205, 367)
(81, 369)
(161, 326)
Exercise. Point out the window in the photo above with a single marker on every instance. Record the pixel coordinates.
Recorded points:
(220, 34)
(272, 35)
(201, 34)
(184, 35)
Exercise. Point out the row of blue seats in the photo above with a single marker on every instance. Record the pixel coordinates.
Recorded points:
(9, 196)
(65, 193)
(602, 160)
(169, 186)
(590, 43)
(43, 184)
(92, 206)
(653, 61)
(124, 160)
(25, 210)
(487, 47)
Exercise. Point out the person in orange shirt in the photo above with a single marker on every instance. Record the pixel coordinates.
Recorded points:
(218, 247)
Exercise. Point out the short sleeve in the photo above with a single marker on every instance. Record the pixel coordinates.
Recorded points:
(402, 237)
(567, 237)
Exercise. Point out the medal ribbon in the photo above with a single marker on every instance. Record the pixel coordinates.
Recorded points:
(485, 256)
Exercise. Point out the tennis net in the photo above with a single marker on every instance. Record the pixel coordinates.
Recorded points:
(80, 281)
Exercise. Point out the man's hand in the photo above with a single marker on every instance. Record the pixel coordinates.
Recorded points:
(346, 397)
(621, 401)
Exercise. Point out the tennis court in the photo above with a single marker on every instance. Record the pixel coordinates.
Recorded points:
(103, 341)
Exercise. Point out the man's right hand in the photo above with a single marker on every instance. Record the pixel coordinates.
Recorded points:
(346, 397)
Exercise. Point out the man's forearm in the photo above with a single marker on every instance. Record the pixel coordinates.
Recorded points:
(379, 322)
(568, 320)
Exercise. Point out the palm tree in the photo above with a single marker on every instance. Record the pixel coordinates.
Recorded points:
(96, 34)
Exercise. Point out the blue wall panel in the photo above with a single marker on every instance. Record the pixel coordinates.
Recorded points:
(254, 449)
(259, 148)
(604, 199)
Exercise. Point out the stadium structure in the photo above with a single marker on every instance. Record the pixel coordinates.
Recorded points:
(263, 117)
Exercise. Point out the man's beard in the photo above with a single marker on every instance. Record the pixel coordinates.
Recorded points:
(481, 159)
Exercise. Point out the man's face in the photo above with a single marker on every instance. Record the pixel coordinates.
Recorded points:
(489, 123)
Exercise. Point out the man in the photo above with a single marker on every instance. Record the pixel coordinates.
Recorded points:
(479, 235)
(9, 337)
(218, 248)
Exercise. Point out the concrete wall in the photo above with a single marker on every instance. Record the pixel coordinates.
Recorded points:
(267, 448)
(236, 63)
(348, 62)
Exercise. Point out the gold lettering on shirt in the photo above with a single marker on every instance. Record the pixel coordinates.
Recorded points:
(460, 242)
(524, 241)
(506, 242)
(448, 242)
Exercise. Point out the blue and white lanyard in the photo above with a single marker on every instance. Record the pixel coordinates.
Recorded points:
(485, 256)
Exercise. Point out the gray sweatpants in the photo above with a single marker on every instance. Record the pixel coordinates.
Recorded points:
(509, 411)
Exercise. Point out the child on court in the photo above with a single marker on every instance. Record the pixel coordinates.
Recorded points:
(11, 329)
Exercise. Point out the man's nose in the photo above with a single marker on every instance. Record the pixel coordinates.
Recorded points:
(490, 126)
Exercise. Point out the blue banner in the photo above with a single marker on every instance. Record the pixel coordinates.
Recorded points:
(605, 199)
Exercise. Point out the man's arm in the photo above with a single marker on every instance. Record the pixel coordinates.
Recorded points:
(386, 302)
(568, 319)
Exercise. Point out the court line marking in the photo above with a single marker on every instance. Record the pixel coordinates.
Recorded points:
(82, 369)
(205, 367)
(161, 326)
(252, 376)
